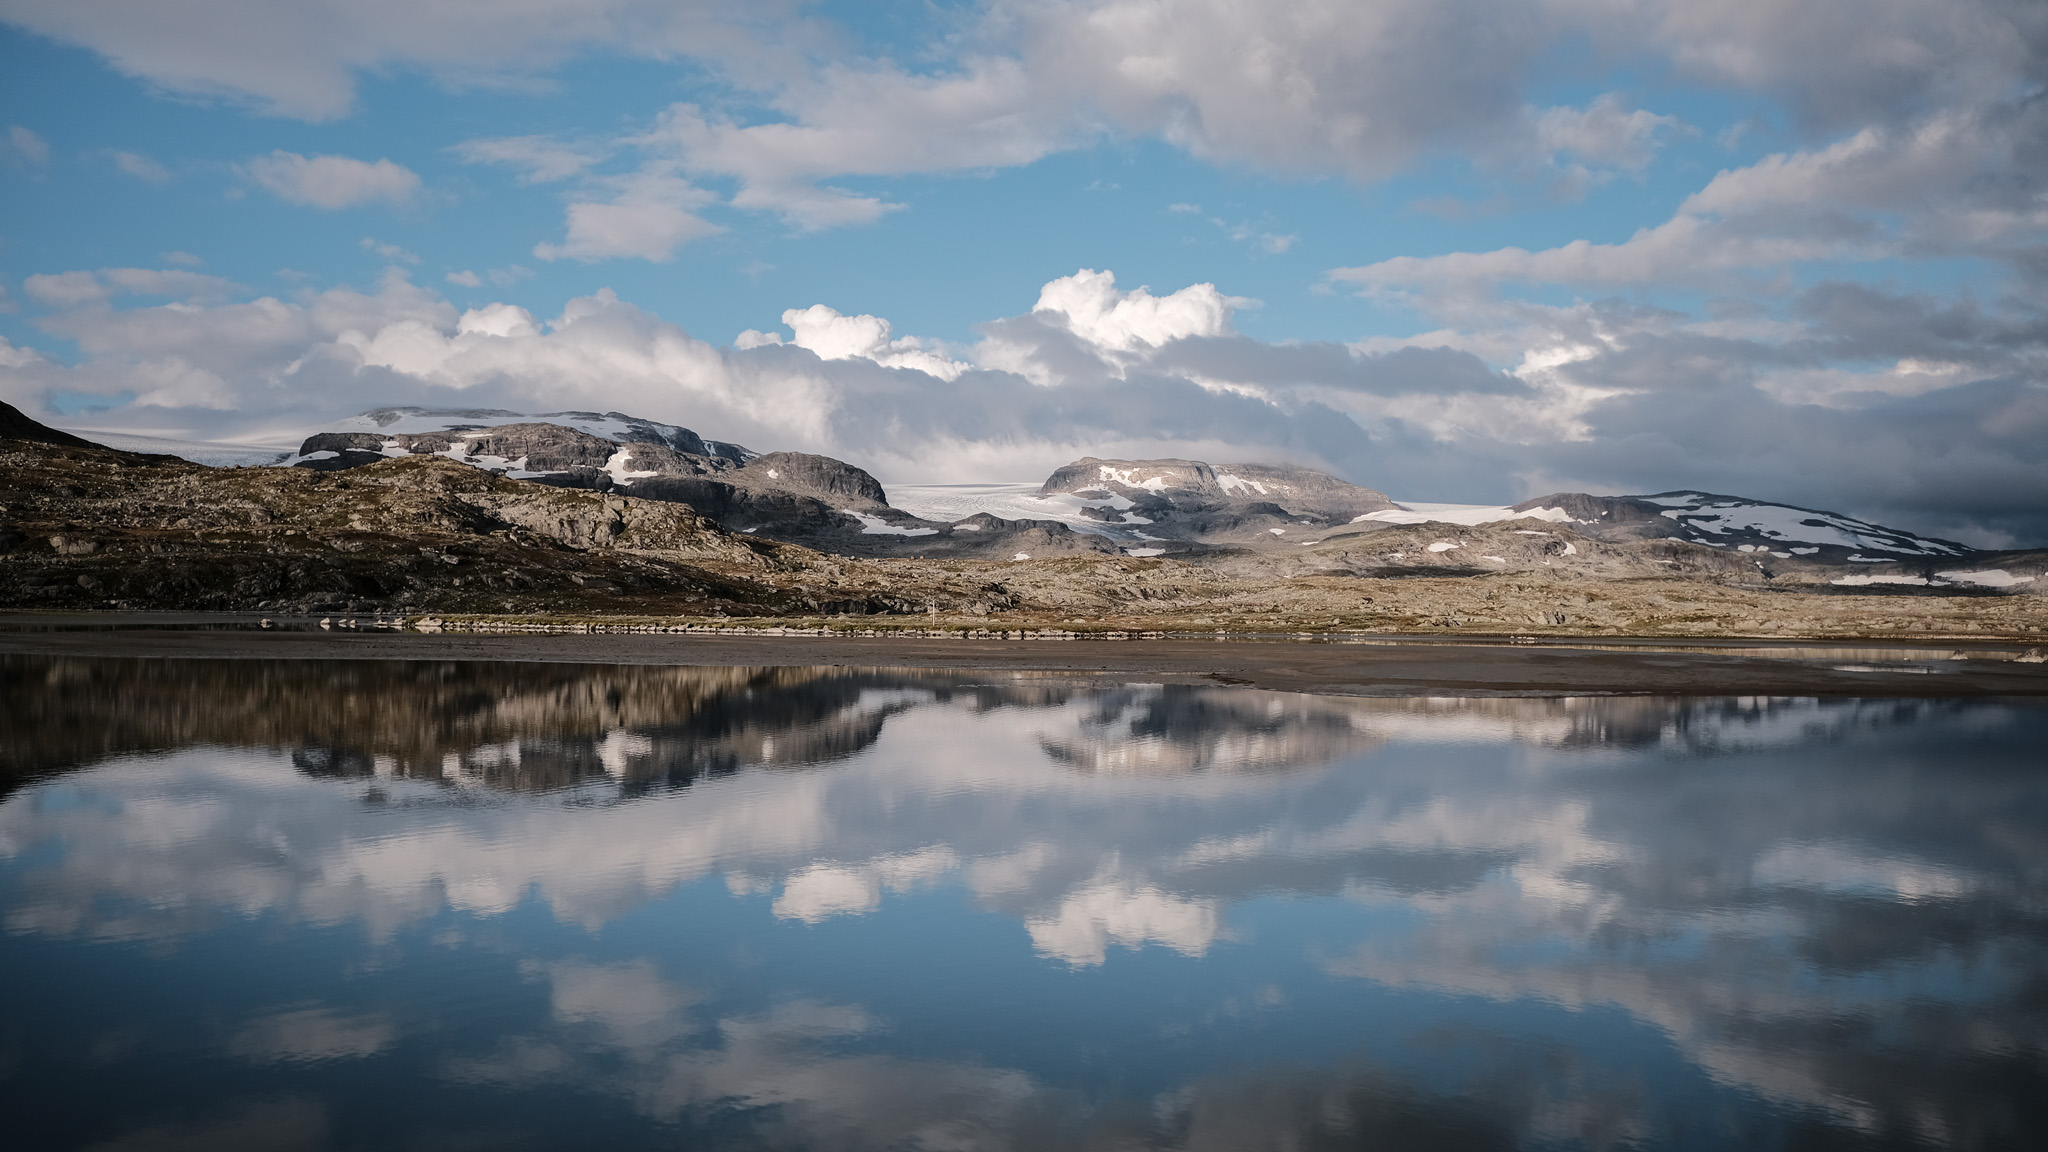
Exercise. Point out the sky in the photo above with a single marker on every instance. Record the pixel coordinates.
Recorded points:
(1457, 250)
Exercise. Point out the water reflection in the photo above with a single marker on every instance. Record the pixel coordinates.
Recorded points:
(880, 909)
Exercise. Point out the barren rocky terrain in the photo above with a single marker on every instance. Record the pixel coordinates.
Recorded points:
(89, 528)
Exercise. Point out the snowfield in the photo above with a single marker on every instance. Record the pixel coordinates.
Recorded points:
(871, 525)
(950, 502)
(1417, 512)
(212, 453)
(1698, 512)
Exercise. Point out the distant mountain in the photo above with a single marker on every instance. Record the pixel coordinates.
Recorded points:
(500, 512)
(1733, 522)
(796, 497)
(1268, 518)
(1175, 503)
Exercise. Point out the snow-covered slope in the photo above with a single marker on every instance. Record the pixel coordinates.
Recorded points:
(1698, 517)
(1415, 512)
(1016, 501)
(213, 454)
(605, 425)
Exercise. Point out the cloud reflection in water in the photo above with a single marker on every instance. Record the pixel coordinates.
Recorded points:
(1835, 908)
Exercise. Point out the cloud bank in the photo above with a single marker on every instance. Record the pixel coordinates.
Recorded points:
(1947, 431)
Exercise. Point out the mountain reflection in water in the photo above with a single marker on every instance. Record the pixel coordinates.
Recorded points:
(334, 905)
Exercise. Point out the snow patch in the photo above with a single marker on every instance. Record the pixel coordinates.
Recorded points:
(872, 525)
(1860, 581)
(1230, 483)
(1142, 552)
(616, 467)
(1468, 515)
(1123, 476)
(1698, 512)
(1443, 546)
(1987, 578)
(951, 502)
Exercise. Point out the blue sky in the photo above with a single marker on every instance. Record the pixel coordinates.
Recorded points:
(1791, 250)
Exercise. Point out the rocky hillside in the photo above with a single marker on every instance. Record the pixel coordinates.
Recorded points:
(1269, 520)
(87, 527)
(1166, 505)
(83, 526)
(795, 497)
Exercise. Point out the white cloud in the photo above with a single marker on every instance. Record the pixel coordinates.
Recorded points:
(301, 59)
(869, 121)
(141, 167)
(392, 253)
(824, 890)
(1088, 921)
(648, 217)
(331, 182)
(465, 278)
(13, 356)
(73, 289)
(506, 320)
(1946, 432)
(186, 259)
(28, 146)
(836, 337)
(1092, 308)
(1604, 132)
(538, 159)
(1879, 193)
(313, 1034)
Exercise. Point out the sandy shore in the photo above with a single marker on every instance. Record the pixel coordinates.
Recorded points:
(1376, 667)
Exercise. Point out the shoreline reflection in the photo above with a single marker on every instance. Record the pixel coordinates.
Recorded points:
(872, 908)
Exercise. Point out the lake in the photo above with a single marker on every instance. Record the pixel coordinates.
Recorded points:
(358, 905)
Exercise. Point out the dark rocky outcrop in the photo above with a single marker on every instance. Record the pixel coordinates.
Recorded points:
(16, 425)
(820, 476)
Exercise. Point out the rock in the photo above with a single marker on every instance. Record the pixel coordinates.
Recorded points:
(821, 476)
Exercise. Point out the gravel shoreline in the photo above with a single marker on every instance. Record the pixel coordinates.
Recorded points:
(1361, 666)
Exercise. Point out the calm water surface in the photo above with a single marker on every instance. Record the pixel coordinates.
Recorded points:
(318, 905)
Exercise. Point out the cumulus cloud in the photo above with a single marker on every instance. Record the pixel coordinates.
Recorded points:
(331, 181)
(836, 337)
(1091, 307)
(1919, 410)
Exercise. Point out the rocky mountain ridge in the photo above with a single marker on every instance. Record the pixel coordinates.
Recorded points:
(795, 497)
(83, 526)
(88, 528)
(1292, 517)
